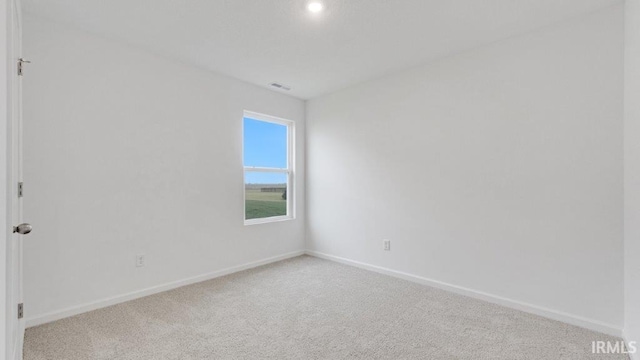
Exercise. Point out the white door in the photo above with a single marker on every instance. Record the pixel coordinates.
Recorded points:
(14, 278)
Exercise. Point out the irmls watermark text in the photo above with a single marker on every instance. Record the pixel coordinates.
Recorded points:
(613, 347)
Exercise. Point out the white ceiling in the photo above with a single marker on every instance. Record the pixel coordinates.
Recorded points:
(265, 41)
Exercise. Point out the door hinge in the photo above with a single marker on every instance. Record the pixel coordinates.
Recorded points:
(21, 63)
(20, 311)
(20, 189)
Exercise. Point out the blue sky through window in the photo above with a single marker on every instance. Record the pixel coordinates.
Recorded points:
(265, 145)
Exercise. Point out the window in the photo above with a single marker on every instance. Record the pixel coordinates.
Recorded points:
(268, 168)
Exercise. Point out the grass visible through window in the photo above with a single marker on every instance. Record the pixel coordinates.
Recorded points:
(265, 200)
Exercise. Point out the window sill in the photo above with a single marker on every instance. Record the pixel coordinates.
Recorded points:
(268, 220)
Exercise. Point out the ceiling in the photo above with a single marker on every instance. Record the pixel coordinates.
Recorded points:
(266, 41)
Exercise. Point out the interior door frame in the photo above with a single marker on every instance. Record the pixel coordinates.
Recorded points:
(16, 158)
(10, 131)
(4, 137)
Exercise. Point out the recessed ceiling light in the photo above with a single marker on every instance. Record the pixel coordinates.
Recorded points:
(315, 6)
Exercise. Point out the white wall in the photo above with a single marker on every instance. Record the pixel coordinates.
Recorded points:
(127, 153)
(498, 170)
(632, 171)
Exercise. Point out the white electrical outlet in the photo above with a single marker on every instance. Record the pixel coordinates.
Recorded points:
(386, 244)
(139, 260)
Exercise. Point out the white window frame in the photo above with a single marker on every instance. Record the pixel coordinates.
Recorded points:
(289, 170)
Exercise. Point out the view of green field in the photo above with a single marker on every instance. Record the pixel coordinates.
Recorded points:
(260, 204)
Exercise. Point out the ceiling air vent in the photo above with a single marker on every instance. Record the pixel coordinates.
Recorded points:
(280, 86)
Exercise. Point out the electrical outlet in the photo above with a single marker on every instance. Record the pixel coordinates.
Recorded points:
(386, 244)
(139, 260)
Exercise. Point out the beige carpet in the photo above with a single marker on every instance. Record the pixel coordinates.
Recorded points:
(307, 308)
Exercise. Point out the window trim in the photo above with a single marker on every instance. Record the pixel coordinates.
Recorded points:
(289, 170)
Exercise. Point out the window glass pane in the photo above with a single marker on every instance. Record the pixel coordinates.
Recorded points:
(265, 144)
(265, 194)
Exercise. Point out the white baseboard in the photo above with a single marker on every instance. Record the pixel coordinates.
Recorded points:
(79, 309)
(537, 310)
(533, 309)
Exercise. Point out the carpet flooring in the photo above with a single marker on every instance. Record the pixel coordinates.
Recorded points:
(308, 308)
